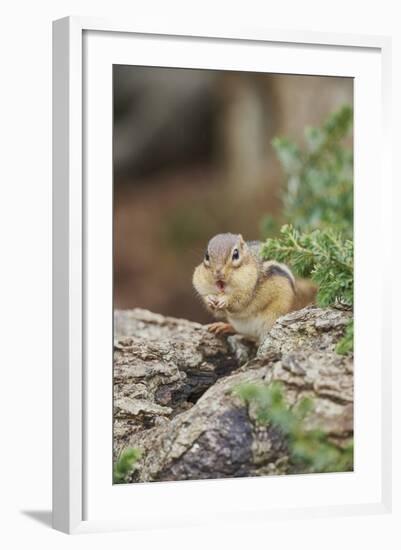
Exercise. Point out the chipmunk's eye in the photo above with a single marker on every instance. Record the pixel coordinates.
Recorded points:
(207, 258)
(235, 255)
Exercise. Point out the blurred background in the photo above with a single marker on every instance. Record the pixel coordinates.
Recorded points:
(192, 158)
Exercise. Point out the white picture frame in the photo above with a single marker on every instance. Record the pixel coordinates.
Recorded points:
(84, 498)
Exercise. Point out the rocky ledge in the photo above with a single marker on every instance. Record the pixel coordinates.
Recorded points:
(174, 393)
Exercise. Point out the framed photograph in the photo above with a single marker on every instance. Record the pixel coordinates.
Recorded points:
(219, 327)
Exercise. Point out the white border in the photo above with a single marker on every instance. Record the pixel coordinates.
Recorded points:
(104, 505)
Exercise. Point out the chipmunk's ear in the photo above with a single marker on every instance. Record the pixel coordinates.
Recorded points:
(241, 241)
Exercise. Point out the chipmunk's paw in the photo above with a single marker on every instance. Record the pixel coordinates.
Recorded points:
(220, 328)
(216, 302)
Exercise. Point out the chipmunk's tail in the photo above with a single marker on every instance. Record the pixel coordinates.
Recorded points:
(305, 293)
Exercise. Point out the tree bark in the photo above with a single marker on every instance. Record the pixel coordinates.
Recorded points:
(174, 396)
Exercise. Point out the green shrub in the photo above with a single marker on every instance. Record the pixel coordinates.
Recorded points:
(346, 344)
(310, 450)
(317, 238)
(125, 464)
(318, 191)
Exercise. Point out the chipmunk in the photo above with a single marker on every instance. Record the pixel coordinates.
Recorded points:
(237, 285)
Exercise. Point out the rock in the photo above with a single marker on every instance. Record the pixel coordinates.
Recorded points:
(174, 393)
(163, 365)
(310, 329)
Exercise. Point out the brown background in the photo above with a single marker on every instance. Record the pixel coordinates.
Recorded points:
(192, 158)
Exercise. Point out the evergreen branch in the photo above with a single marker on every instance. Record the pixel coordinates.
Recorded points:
(323, 256)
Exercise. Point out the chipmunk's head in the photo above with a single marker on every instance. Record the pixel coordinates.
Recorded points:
(227, 259)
